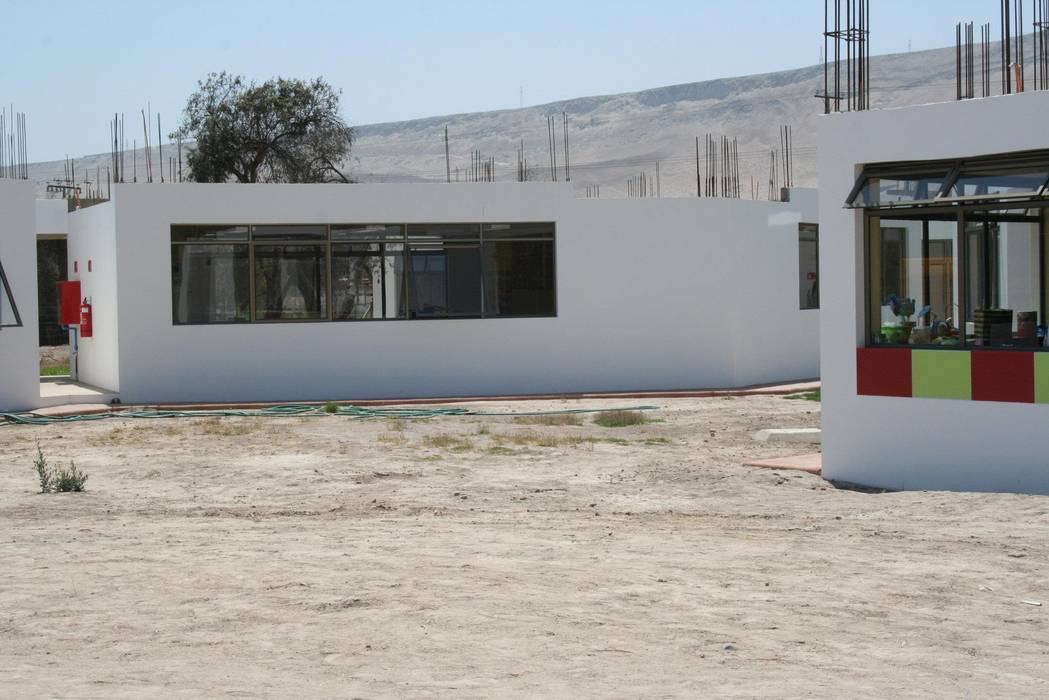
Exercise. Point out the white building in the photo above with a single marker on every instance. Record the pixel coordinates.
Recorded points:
(944, 205)
(231, 293)
(19, 353)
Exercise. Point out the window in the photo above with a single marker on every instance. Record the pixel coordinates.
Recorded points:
(964, 266)
(913, 280)
(445, 265)
(809, 266)
(968, 269)
(518, 262)
(1009, 176)
(9, 316)
(357, 272)
(210, 275)
(368, 281)
(291, 282)
(1005, 298)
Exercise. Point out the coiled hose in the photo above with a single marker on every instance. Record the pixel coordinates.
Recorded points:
(293, 409)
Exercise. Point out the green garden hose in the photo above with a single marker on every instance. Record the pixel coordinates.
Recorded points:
(286, 410)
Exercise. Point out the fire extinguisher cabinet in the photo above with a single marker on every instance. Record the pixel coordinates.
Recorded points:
(69, 303)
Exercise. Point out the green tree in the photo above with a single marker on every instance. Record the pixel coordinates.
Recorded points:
(280, 131)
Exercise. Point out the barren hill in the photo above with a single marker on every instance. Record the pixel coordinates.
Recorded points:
(613, 137)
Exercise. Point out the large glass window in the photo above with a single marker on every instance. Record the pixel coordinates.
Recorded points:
(355, 272)
(368, 281)
(962, 267)
(445, 280)
(929, 285)
(210, 283)
(808, 266)
(519, 273)
(913, 280)
(445, 270)
(291, 282)
(1005, 255)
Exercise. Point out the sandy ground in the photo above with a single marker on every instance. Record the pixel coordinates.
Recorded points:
(480, 557)
(54, 356)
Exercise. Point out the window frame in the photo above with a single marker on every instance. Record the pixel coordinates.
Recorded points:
(406, 242)
(962, 257)
(9, 293)
(217, 242)
(814, 228)
(952, 170)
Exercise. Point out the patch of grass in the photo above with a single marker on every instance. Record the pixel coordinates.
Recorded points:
(500, 451)
(550, 419)
(225, 427)
(483, 429)
(391, 438)
(620, 419)
(60, 479)
(655, 441)
(331, 407)
(117, 436)
(531, 439)
(448, 442)
(398, 425)
(55, 371)
(806, 396)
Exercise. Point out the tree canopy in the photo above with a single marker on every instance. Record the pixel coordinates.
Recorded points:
(280, 131)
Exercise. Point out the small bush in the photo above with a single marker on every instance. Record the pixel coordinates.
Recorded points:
(807, 396)
(331, 407)
(60, 480)
(43, 470)
(619, 419)
(70, 480)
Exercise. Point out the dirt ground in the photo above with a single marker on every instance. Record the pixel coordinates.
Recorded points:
(480, 557)
(52, 356)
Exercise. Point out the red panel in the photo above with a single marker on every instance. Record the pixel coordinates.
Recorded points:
(1003, 376)
(69, 303)
(883, 372)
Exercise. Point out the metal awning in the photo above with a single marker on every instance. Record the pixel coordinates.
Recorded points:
(1011, 177)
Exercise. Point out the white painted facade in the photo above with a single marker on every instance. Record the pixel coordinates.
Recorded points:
(651, 294)
(19, 354)
(912, 443)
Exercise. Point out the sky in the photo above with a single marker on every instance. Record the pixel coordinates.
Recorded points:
(71, 65)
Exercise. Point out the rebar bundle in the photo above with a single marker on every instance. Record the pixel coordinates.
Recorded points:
(846, 77)
(1013, 52)
(640, 185)
(14, 159)
(1040, 21)
(720, 168)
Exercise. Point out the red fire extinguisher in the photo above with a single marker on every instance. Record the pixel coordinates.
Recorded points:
(85, 319)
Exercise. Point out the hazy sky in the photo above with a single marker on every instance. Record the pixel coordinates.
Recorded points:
(70, 65)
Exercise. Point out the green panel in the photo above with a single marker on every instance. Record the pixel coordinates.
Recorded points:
(942, 374)
(1041, 377)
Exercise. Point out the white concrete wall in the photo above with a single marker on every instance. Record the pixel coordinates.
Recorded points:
(92, 238)
(651, 294)
(19, 349)
(52, 217)
(914, 443)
